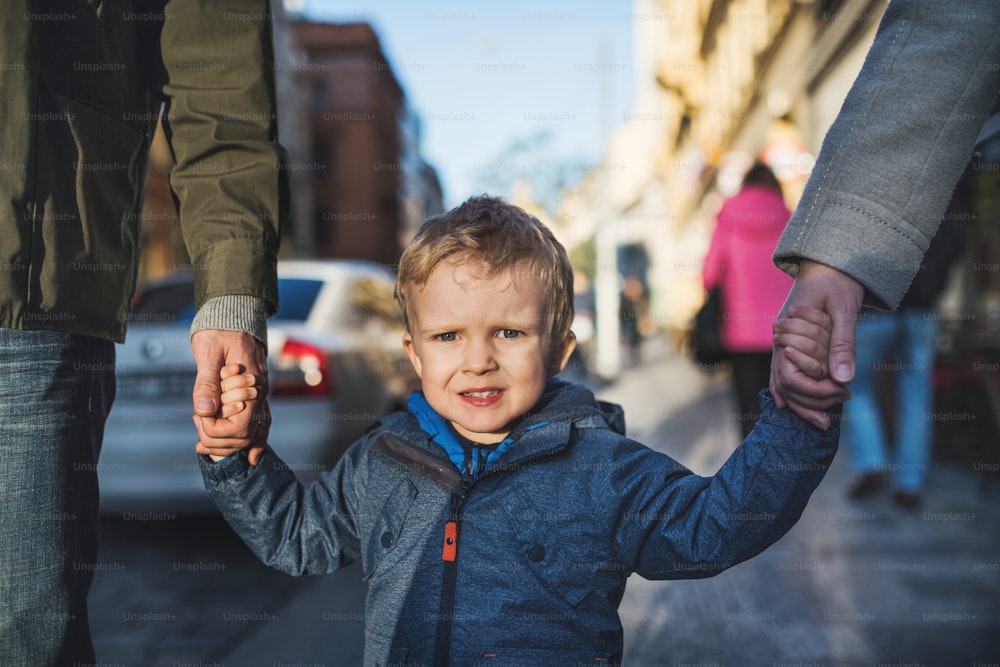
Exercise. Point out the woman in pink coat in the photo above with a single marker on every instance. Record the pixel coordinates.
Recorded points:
(753, 289)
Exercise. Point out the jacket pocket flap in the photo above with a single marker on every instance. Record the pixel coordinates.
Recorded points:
(388, 524)
(549, 542)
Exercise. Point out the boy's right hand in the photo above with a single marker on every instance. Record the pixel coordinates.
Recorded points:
(238, 388)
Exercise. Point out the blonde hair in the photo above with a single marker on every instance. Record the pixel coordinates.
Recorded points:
(506, 239)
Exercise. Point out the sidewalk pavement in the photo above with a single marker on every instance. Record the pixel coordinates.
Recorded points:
(851, 583)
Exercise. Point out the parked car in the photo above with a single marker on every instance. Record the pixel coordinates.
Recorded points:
(335, 362)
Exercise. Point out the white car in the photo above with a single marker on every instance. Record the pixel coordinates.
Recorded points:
(336, 365)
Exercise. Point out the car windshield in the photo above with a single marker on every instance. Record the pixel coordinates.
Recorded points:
(174, 302)
(296, 297)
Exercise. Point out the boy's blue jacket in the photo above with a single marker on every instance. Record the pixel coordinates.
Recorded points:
(546, 536)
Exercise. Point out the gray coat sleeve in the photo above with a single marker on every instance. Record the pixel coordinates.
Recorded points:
(902, 139)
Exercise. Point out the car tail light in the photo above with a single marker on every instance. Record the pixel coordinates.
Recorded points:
(301, 369)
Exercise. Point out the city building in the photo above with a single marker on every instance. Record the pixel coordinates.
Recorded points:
(371, 186)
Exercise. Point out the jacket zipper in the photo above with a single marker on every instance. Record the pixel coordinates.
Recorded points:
(449, 575)
(449, 555)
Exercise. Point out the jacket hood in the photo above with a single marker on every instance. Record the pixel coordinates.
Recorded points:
(561, 403)
(570, 401)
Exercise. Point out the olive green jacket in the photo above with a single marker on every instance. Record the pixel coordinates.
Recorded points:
(82, 85)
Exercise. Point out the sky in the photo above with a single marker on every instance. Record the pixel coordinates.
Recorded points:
(550, 77)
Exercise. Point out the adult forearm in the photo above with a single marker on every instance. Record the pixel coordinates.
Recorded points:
(906, 131)
(229, 176)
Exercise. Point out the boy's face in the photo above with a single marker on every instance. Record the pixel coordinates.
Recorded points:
(481, 348)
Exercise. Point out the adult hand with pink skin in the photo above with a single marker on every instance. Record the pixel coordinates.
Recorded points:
(809, 392)
(222, 434)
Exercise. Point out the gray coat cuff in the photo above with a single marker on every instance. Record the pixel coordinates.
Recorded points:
(234, 312)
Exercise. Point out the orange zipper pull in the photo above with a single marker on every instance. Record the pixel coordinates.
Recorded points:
(450, 541)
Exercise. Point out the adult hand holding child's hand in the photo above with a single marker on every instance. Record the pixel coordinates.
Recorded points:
(809, 389)
(225, 359)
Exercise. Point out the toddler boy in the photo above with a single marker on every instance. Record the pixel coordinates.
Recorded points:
(498, 518)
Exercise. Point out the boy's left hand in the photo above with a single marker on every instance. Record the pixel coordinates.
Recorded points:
(803, 339)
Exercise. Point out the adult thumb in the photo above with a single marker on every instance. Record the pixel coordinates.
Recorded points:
(206, 394)
(841, 356)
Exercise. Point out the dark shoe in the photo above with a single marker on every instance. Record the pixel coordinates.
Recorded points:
(866, 486)
(907, 500)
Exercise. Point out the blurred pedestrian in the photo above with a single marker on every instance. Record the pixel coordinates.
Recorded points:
(633, 308)
(584, 324)
(752, 289)
(84, 85)
(900, 345)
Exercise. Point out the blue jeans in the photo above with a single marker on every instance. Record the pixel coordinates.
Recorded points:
(909, 336)
(55, 393)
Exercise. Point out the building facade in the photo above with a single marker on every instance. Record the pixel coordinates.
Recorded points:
(370, 183)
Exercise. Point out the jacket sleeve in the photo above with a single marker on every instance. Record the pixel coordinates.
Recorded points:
(677, 524)
(229, 177)
(891, 159)
(293, 527)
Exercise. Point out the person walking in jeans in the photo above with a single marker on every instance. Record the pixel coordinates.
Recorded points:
(900, 344)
